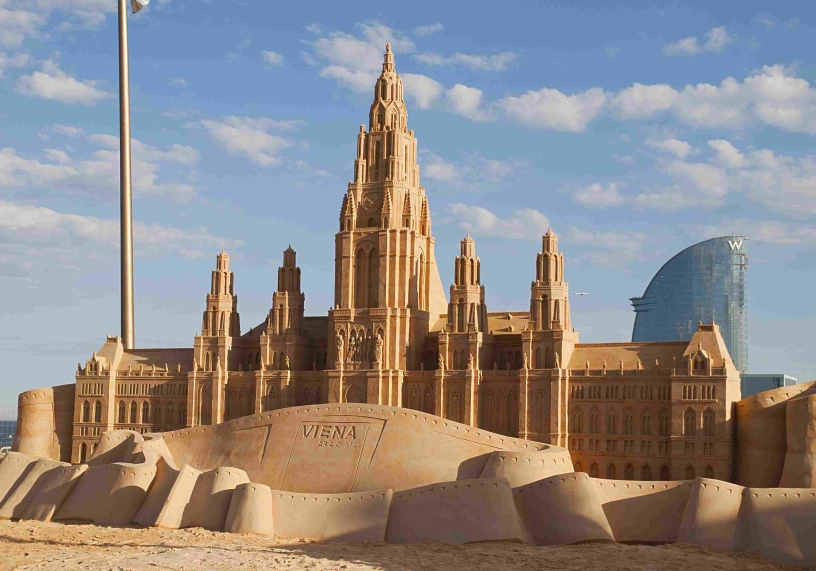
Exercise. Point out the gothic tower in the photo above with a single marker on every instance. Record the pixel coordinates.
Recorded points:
(467, 310)
(386, 278)
(550, 337)
(287, 301)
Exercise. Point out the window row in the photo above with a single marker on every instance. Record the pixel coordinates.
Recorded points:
(152, 389)
(628, 424)
(701, 392)
(157, 414)
(88, 389)
(645, 472)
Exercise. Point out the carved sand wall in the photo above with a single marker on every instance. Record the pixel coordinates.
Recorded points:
(476, 486)
(45, 422)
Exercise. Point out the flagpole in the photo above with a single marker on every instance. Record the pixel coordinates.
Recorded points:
(125, 198)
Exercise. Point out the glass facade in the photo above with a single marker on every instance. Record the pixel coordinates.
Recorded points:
(705, 282)
(7, 428)
(753, 384)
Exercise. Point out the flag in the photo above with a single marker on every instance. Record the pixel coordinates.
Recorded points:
(138, 4)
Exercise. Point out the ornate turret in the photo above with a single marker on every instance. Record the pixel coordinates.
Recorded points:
(221, 315)
(286, 314)
(549, 300)
(467, 311)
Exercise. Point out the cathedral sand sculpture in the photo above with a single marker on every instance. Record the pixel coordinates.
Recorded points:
(415, 424)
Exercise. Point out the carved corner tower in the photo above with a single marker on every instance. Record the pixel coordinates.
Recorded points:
(550, 338)
(387, 283)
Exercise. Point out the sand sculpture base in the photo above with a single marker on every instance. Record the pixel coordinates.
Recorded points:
(376, 473)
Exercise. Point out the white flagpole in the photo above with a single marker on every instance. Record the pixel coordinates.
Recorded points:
(125, 194)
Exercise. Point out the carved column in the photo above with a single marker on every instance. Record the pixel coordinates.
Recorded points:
(439, 393)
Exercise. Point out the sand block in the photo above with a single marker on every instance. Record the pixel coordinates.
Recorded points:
(799, 469)
(520, 468)
(156, 501)
(562, 509)
(210, 499)
(779, 523)
(360, 516)
(13, 468)
(710, 518)
(250, 510)
(116, 446)
(52, 493)
(455, 512)
(110, 494)
(29, 484)
(659, 507)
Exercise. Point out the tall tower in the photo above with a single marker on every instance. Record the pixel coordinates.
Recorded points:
(220, 320)
(550, 333)
(467, 310)
(286, 314)
(386, 278)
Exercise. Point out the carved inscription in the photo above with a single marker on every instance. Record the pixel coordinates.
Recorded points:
(336, 436)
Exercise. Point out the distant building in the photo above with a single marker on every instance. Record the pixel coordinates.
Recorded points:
(753, 384)
(7, 428)
(704, 283)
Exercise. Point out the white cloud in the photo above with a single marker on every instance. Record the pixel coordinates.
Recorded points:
(16, 25)
(429, 29)
(718, 39)
(709, 183)
(526, 223)
(7, 61)
(23, 226)
(440, 170)
(356, 61)
(272, 58)
(641, 101)
(498, 62)
(551, 109)
(249, 136)
(67, 130)
(676, 147)
(466, 101)
(422, 89)
(98, 174)
(178, 81)
(596, 196)
(608, 249)
(727, 153)
(54, 84)
(667, 199)
(472, 172)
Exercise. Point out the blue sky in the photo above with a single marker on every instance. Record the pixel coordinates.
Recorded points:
(634, 131)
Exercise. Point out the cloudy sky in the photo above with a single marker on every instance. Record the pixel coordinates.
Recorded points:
(633, 131)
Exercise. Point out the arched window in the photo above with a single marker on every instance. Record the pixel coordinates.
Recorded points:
(628, 422)
(629, 472)
(134, 419)
(593, 421)
(271, 398)
(577, 421)
(454, 406)
(86, 411)
(688, 422)
(664, 473)
(413, 398)
(145, 413)
(708, 423)
(646, 473)
(83, 453)
(646, 423)
(611, 423)
(122, 418)
(157, 414)
(171, 416)
(611, 472)
(455, 364)
(577, 467)
(538, 364)
(709, 472)
(307, 396)
(182, 415)
(690, 472)
(593, 470)
(97, 411)
(513, 412)
(487, 410)
(501, 411)
(663, 423)
(547, 359)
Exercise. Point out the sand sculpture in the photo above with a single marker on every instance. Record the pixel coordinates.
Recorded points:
(378, 473)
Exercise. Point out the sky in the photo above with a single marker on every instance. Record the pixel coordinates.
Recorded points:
(632, 130)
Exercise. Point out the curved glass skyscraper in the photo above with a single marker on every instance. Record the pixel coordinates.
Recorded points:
(705, 282)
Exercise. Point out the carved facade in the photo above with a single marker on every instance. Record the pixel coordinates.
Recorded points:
(625, 410)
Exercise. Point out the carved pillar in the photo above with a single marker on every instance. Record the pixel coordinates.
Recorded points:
(192, 398)
(524, 404)
(257, 406)
(439, 393)
(470, 401)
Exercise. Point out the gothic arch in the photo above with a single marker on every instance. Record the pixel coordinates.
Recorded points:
(83, 453)
(134, 419)
(145, 413)
(593, 470)
(709, 472)
(353, 394)
(488, 410)
(306, 398)
(594, 416)
(513, 416)
(611, 422)
(663, 423)
(122, 418)
(413, 398)
(646, 423)
(708, 423)
(97, 411)
(428, 400)
(690, 472)
(271, 398)
(501, 411)
(86, 411)
(629, 472)
(577, 467)
(540, 411)
(182, 415)
(646, 473)
(577, 421)
(611, 472)
(664, 473)
(454, 406)
(689, 418)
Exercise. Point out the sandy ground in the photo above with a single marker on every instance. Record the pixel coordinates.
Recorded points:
(52, 546)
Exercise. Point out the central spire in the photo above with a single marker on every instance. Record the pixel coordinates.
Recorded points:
(388, 110)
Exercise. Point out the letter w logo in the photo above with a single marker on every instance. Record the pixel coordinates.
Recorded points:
(735, 245)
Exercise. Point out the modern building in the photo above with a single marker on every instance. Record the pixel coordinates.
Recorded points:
(757, 383)
(625, 410)
(705, 283)
(8, 425)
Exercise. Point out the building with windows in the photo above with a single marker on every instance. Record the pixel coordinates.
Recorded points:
(638, 410)
(760, 382)
(706, 282)
(8, 426)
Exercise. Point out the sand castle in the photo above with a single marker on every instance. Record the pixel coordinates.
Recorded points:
(402, 416)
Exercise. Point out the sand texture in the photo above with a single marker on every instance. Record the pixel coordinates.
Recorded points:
(54, 546)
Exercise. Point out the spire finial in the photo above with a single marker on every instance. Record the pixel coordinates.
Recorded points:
(387, 47)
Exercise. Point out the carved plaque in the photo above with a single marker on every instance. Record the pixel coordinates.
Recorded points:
(327, 453)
